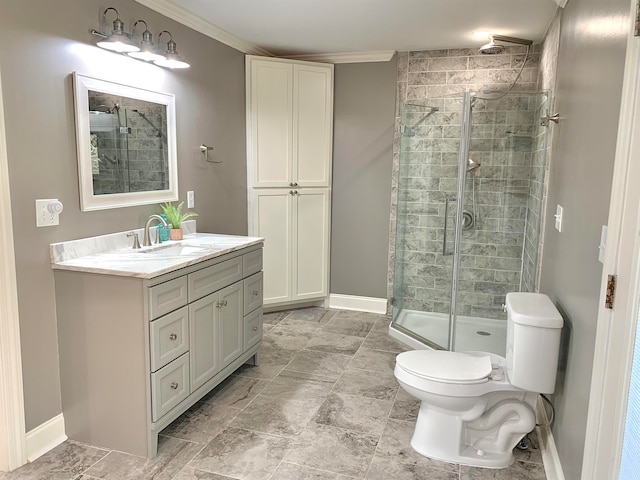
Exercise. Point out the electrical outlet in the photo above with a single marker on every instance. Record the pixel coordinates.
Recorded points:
(191, 199)
(48, 212)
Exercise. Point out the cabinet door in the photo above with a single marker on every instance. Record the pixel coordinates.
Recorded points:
(270, 145)
(204, 336)
(231, 323)
(311, 244)
(312, 125)
(273, 220)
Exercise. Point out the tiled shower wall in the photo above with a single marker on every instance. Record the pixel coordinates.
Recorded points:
(503, 134)
(136, 161)
(547, 81)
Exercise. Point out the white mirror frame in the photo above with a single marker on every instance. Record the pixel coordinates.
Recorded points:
(88, 201)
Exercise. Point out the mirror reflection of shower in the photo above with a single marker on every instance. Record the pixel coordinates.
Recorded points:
(129, 144)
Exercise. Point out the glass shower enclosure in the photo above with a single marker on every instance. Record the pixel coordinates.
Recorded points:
(470, 194)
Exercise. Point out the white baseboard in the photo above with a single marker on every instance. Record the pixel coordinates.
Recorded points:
(550, 457)
(360, 304)
(45, 437)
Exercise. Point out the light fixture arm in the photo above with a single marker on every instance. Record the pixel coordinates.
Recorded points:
(504, 38)
(147, 36)
(167, 32)
(118, 25)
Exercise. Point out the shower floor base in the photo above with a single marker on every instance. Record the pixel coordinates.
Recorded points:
(472, 333)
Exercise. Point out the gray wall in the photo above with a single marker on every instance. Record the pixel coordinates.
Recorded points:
(51, 40)
(590, 69)
(362, 158)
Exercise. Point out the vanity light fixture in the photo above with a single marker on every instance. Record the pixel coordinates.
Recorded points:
(147, 50)
(171, 58)
(119, 40)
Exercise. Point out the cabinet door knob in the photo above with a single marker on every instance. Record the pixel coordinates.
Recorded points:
(292, 184)
(174, 385)
(290, 192)
(255, 292)
(255, 329)
(221, 304)
(173, 336)
(295, 184)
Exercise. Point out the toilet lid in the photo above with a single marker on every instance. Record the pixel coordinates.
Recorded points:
(448, 367)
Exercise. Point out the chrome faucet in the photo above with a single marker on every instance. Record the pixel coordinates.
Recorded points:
(147, 239)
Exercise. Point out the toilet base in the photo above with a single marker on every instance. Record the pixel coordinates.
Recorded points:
(481, 441)
(470, 458)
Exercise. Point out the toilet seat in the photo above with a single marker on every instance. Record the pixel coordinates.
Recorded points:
(446, 367)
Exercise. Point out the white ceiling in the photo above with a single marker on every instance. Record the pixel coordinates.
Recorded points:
(299, 27)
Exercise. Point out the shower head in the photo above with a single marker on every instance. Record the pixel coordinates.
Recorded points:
(472, 165)
(493, 48)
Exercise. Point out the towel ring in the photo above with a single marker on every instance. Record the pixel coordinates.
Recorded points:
(205, 150)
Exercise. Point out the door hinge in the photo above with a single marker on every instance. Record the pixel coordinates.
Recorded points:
(611, 292)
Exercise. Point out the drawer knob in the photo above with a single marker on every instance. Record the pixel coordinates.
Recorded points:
(174, 385)
(255, 329)
(255, 292)
(173, 336)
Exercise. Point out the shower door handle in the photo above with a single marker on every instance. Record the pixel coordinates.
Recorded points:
(446, 221)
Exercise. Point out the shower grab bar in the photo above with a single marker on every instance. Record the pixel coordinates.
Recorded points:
(446, 221)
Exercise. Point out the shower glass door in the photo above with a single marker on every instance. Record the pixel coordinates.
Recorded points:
(468, 221)
(427, 185)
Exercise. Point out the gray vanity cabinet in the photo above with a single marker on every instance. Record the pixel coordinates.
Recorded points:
(136, 353)
(215, 332)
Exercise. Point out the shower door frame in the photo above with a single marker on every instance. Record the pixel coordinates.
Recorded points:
(463, 156)
(452, 313)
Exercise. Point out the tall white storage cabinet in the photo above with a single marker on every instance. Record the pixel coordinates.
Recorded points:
(289, 152)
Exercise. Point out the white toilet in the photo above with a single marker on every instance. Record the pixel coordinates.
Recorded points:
(477, 406)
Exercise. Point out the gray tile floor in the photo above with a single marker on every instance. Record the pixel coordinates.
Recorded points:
(322, 405)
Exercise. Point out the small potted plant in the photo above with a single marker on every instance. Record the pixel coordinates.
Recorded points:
(175, 217)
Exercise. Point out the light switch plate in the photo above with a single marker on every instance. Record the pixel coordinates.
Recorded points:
(558, 217)
(191, 199)
(602, 248)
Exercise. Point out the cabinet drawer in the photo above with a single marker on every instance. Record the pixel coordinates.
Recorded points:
(252, 293)
(167, 297)
(208, 280)
(251, 262)
(252, 328)
(169, 336)
(169, 386)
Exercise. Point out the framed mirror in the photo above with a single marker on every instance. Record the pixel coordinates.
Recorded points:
(126, 139)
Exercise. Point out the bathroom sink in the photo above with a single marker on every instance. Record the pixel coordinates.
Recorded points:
(174, 250)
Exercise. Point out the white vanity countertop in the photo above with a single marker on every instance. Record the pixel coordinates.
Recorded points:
(92, 255)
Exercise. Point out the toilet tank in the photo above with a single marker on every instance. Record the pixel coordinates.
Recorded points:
(533, 341)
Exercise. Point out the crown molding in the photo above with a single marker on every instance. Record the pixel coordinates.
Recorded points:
(352, 57)
(179, 14)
